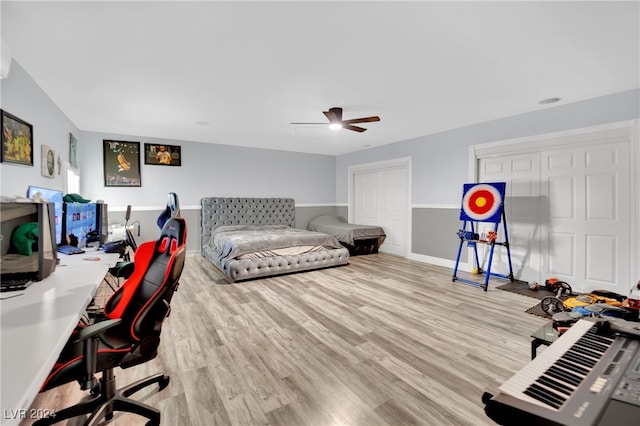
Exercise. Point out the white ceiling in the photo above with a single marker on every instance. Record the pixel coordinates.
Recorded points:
(239, 72)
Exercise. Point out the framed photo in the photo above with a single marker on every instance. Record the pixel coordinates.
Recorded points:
(48, 157)
(121, 163)
(17, 140)
(162, 155)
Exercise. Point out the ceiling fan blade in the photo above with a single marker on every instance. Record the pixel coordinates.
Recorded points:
(338, 112)
(354, 128)
(331, 116)
(362, 120)
(334, 114)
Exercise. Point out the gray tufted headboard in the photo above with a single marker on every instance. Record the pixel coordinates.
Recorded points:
(218, 211)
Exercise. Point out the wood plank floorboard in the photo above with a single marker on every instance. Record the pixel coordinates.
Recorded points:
(381, 341)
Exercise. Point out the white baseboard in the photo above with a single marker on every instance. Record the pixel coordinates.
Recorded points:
(446, 263)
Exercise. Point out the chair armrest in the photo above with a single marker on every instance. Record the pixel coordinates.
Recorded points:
(89, 337)
(95, 329)
(122, 269)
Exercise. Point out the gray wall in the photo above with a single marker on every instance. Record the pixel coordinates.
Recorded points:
(207, 170)
(440, 162)
(440, 240)
(22, 97)
(211, 170)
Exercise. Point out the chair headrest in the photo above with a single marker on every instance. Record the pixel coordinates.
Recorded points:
(174, 228)
(172, 209)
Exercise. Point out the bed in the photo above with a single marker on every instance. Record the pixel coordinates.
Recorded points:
(255, 237)
(358, 239)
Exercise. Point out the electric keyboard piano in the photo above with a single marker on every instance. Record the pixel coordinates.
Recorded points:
(586, 377)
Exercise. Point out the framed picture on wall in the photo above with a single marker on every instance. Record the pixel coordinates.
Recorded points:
(17, 140)
(162, 155)
(121, 163)
(48, 158)
(73, 151)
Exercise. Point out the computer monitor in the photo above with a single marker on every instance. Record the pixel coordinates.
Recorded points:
(80, 222)
(52, 196)
(27, 256)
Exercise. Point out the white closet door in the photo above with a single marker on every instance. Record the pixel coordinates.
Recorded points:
(568, 214)
(392, 201)
(366, 198)
(587, 241)
(523, 210)
(380, 197)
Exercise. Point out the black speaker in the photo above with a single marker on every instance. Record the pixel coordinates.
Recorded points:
(102, 222)
(115, 247)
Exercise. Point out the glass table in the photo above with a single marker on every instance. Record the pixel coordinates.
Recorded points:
(545, 335)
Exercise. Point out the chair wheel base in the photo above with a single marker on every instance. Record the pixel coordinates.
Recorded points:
(164, 382)
(100, 407)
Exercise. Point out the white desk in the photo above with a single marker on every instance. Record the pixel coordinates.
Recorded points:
(35, 326)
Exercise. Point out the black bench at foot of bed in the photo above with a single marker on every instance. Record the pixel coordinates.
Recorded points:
(359, 239)
(365, 246)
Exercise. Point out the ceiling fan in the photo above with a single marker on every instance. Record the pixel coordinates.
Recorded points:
(335, 120)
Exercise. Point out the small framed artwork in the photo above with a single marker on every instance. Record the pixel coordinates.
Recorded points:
(73, 151)
(121, 163)
(162, 155)
(48, 156)
(17, 140)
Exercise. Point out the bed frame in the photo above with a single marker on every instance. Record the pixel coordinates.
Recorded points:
(217, 211)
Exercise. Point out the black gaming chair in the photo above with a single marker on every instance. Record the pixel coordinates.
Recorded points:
(129, 334)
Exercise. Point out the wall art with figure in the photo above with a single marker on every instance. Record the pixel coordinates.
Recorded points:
(162, 154)
(121, 163)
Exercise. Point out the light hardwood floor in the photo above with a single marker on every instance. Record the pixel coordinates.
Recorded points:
(381, 341)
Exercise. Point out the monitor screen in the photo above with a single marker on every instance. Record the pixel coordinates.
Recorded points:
(27, 254)
(79, 220)
(47, 253)
(52, 196)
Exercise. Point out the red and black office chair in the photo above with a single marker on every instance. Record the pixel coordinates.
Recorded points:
(128, 336)
(124, 268)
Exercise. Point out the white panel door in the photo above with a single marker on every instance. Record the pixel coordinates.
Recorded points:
(568, 215)
(523, 209)
(380, 197)
(587, 239)
(392, 201)
(366, 198)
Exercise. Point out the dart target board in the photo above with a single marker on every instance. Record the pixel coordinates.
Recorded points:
(482, 202)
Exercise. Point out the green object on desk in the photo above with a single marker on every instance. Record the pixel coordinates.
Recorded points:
(24, 237)
(74, 198)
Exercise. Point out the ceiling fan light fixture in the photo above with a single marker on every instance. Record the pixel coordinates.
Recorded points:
(334, 115)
